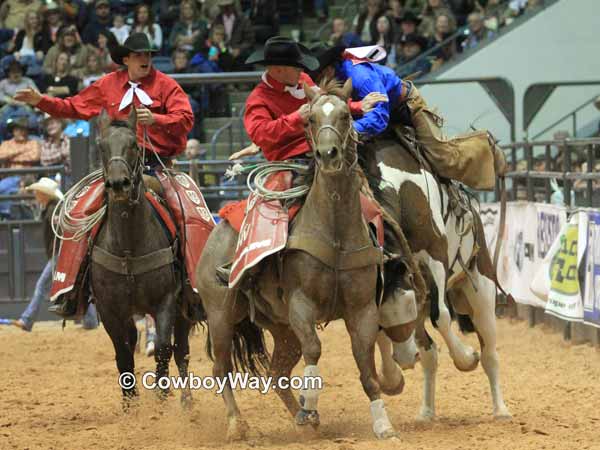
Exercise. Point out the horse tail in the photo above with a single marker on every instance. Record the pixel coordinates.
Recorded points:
(249, 350)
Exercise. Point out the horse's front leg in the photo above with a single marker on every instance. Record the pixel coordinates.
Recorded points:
(362, 323)
(303, 317)
(165, 319)
(181, 349)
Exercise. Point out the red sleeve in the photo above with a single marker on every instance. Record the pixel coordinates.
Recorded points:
(179, 118)
(304, 77)
(269, 133)
(355, 107)
(85, 105)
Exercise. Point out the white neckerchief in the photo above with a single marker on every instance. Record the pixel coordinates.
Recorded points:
(295, 91)
(128, 97)
(370, 53)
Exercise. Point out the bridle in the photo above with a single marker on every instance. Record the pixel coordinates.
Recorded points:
(350, 136)
(134, 174)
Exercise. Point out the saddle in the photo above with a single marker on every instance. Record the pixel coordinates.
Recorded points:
(263, 228)
(183, 213)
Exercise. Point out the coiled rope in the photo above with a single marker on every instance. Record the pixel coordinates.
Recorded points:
(62, 221)
(258, 174)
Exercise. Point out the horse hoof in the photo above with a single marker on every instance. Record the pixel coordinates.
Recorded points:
(237, 430)
(150, 348)
(503, 415)
(305, 417)
(186, 402)
(469, 363)
(386, 434)
(425, 416)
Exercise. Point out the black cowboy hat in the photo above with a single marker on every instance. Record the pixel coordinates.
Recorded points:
(414, 38)
(410, 16)
(282, 51)
(17, 122)
(136, 43)
(326, 54)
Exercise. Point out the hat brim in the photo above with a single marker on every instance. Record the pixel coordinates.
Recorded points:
(306, 61)
(119, 52)
(44, 190)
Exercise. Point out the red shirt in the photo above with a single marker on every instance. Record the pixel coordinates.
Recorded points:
(272, 119)
(170, 106)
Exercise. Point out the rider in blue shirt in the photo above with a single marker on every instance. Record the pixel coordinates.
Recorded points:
(471, 158)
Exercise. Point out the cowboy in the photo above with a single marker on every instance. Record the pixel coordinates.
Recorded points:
(164, 119)
(472, 158)
(277, 109)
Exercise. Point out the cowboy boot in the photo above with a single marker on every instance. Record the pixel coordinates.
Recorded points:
(64, 307)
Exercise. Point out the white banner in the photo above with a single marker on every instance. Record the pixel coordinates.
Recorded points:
(530, 230)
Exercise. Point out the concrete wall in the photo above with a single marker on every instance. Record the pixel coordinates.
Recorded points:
(558, 44)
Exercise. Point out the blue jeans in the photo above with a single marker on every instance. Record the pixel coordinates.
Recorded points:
(41, 292)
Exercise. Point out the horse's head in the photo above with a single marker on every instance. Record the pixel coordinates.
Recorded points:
(120, 156)
(330, 131)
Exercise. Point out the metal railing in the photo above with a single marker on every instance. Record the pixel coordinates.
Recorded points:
(534, 184)
(572, 115)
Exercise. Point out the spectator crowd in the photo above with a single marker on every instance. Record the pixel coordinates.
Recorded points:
(60, 47)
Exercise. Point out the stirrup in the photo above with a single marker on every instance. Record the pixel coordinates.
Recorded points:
(63, 308)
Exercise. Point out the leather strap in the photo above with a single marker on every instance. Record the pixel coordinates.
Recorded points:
(331, 257)
(133, 266)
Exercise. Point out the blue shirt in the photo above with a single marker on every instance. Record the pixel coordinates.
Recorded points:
(370, 77)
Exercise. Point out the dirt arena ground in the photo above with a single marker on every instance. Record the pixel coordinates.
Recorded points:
(59, 391)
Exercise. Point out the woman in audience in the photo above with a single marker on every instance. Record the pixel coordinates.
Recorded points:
(365, 23)
(91, 72)
(444, 28)
(69, 43)
(384, 36)
(28, 45)
(190, 31)
(433, 9)
(105, 40)
(143, 22)
(60, 82)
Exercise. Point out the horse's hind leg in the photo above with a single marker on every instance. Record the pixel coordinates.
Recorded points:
(429, 361)
(181, 350)
(465, 357)
(483, 304)
(221, 330)
(286, 354)
(165, 318)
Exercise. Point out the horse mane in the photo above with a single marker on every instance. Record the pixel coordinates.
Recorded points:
(119, 124)
(331, 86)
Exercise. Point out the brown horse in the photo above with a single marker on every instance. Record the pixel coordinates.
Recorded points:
(291, 297)
(134, 267)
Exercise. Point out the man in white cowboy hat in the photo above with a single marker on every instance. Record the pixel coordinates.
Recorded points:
(47, 195)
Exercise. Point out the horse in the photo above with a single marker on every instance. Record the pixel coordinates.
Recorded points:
(135, 269)
(290, 296)
(454, 257)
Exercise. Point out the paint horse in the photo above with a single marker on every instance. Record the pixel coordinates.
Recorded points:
(454, 257)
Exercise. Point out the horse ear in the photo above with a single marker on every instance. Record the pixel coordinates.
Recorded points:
(309, 91)
(104, 121)
(347, 89)
(132, 119)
